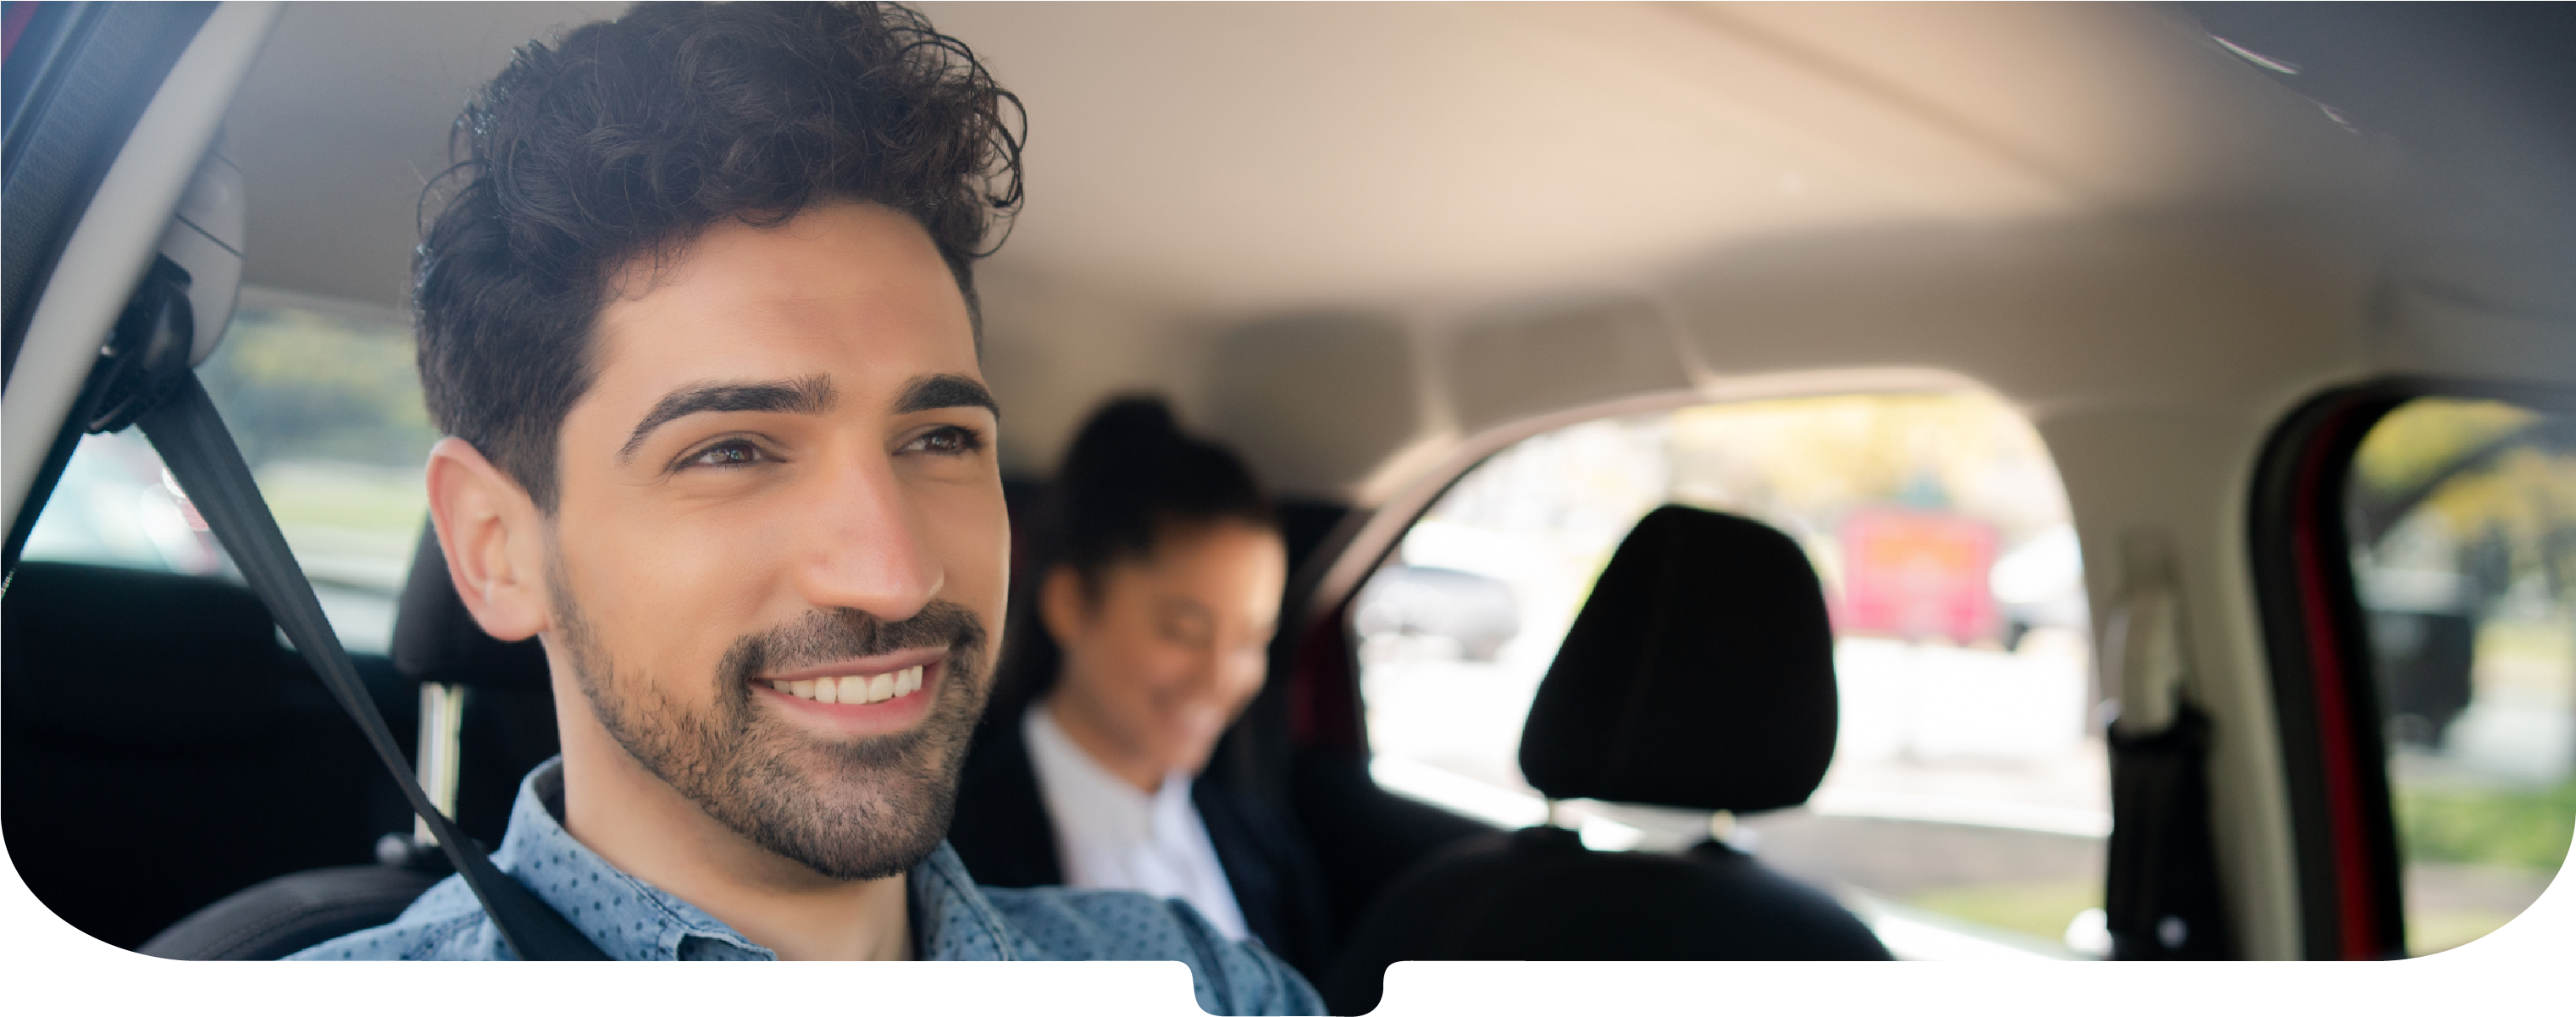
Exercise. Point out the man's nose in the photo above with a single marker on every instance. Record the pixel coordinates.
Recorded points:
(864, 545)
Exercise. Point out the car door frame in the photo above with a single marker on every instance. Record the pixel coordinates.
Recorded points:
(2322, 667)
(86, 241)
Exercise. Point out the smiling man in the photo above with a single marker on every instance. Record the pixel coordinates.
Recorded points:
(698, 316)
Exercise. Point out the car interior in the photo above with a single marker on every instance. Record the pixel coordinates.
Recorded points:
(1761, 481)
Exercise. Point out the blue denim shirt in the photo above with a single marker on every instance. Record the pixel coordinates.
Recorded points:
(952, 919)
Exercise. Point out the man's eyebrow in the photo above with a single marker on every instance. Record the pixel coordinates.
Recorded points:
(810, 394)
(942, 391)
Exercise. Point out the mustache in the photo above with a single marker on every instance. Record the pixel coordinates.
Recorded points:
(830, 634)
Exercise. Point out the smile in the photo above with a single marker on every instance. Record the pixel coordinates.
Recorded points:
(854, 688)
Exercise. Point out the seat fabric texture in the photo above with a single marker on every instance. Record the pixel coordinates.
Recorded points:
(161, 749)
(286, 914)
(507, 729)
(1698, 676)
(1539, 894)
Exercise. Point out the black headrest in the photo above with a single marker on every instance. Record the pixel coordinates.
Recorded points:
(133, 657)
(436, 639)
(1700, 674)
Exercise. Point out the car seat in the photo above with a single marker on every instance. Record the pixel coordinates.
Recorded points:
(505, 728)
(1698, 676)
(162, 750)
(507, 722)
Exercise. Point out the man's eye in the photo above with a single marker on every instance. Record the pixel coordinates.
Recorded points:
(732, 453)
(947, 441)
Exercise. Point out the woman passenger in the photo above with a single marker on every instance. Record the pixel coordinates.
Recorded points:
(1139, 633)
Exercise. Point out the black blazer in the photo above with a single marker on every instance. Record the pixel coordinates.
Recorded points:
(1005, 837)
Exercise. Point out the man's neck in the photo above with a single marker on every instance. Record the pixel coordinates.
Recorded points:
(646, 829)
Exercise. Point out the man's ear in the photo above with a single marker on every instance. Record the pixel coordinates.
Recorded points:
(492, 534)
(1063, 605)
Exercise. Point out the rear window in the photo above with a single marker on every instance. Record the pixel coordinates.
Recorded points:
(324, 400)
(2463, 522)
(1965, 811)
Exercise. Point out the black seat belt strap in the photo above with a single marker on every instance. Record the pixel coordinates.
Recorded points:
(194, 444)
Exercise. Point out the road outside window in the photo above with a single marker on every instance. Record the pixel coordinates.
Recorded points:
(324, 400)
(1965, 810)
(2463, 517)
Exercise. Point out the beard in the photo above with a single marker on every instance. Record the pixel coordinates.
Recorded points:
(847, 808)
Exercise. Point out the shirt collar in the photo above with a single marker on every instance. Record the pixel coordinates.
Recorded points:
(630, 919)
(1111, 809)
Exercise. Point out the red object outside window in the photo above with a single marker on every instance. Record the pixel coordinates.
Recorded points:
(1917, 575)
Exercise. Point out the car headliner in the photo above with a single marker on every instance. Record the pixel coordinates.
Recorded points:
(1372, 243)
(2063, 203)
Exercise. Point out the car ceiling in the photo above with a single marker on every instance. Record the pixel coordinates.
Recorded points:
(1319, 226)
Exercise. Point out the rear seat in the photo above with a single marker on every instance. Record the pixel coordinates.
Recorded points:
(159, 748)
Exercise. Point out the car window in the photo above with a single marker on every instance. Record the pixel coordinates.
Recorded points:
(2463, 523)
(1965, 809)
(324, 401)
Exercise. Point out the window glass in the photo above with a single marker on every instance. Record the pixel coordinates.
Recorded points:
(2463, 521)
(324, 400)
(1965, 809)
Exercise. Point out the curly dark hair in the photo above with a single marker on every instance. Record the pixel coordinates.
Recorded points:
(627, 138)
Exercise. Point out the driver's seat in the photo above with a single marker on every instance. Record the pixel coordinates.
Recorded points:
(508, 727)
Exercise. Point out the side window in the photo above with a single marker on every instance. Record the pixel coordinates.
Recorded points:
(1965, 809)
(323, 399)
(2463, 523)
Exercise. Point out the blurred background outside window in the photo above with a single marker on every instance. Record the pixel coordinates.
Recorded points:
(1965, 811)
(324, 400)
(2463, 522)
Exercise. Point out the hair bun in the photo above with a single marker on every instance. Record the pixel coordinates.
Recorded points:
(1131, 470)
(1132, 422)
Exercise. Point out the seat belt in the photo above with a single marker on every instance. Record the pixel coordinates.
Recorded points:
(200, 454)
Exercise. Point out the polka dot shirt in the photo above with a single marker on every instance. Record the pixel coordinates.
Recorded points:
(953, 919)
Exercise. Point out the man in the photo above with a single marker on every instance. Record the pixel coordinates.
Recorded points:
(699, 320)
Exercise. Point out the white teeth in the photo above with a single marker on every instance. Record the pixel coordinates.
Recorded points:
(854, 689)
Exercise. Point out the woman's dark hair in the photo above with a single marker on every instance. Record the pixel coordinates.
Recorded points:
(623, 141)
(1131, 478)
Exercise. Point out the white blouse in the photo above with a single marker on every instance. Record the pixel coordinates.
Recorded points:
(1111, 836)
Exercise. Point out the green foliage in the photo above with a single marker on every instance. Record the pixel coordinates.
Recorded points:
(2525, 828)
(298, 384)
(1815, 458)
(2417, 440)
(2040, 910)
(305, 494)
(2435, 931)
